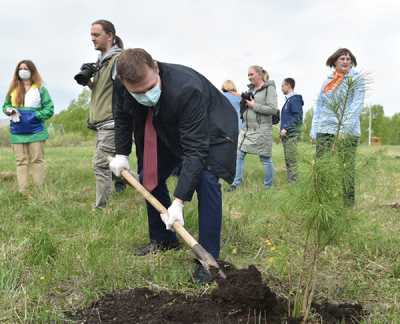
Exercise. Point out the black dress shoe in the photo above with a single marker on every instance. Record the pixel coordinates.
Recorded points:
(231, 188)
(155, 247)
(201, 275)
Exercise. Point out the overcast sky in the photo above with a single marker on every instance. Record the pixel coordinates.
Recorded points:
(220, 39)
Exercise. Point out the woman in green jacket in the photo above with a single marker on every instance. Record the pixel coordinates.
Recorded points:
(28, 105)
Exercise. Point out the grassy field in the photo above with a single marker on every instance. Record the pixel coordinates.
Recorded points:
(57, 255)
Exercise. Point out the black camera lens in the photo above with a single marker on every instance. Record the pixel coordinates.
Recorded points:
(247, 95)
(84, 76)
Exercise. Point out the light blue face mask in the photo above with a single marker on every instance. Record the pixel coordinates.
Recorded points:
(150, 98)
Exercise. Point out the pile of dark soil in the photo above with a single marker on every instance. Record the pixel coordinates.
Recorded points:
(241, 298)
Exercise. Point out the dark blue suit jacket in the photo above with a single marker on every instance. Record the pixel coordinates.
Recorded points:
(195, 124)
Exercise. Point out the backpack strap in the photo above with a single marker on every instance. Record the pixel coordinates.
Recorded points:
(113, 73)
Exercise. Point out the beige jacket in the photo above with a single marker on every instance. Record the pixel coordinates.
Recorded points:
(256, 134)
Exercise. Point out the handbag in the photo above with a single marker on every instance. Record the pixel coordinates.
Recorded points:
(276, 118)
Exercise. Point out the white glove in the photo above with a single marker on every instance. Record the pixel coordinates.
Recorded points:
(10, 111)
(175, 214)
(13, 114)
(118, 163)
(15, 118)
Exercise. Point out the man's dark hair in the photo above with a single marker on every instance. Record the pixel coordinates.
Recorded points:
(341, 51)
(109, 28)
(290, 81)
(133, 63)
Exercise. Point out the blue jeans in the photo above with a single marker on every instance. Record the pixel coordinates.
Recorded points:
(209, 209)
(268, 169)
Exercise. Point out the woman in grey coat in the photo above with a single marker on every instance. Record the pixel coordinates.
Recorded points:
(255, 137)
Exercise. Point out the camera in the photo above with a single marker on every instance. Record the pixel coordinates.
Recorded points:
(86, 73)
(248, 95)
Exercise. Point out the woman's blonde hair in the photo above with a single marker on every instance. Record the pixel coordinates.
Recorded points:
(260, 71)
(228, 86)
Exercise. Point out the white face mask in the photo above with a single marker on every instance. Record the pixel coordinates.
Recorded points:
(24, 74)
(150, 98)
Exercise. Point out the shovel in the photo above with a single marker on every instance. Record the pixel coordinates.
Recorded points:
(205, 258)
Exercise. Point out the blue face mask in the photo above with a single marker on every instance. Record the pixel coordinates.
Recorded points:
(148, 99)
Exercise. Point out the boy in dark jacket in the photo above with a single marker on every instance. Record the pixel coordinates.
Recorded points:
(291, 121)
(178, 118)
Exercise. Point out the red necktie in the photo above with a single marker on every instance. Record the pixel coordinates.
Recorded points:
(150, 176)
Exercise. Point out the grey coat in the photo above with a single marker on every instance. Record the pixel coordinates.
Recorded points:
(256, 134)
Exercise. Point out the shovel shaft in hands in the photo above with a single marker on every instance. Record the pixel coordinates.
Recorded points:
(204, 257)
(178, 228)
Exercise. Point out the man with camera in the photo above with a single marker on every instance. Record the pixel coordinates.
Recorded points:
(99, 77)
(178, 118)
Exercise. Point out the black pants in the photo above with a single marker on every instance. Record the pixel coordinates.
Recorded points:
(346, 149)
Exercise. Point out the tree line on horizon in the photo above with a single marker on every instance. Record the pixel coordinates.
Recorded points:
(386, 128)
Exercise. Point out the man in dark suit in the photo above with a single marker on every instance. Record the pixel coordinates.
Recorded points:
(178, 118)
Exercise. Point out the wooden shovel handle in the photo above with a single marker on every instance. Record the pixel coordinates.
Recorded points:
(178, 228)
(205, 258)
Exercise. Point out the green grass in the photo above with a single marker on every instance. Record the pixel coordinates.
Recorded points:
(57, 255)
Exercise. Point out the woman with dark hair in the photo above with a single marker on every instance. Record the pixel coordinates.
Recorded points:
(28, 105)
(336, 120)
(255, 136)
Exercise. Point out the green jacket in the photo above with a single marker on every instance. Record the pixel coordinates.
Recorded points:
(101, 98)
(32, 120)
(255, 136)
